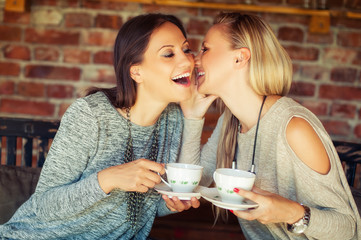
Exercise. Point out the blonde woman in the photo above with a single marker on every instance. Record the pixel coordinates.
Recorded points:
(300, 187)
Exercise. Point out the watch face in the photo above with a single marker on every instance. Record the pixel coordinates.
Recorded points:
(300, 227)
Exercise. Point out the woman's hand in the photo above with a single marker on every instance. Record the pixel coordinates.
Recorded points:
(196, 106)
(138, 175)
(272, 208)
(176, 205)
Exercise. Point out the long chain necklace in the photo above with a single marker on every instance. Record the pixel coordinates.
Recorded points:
(135, 200)
(234, 163)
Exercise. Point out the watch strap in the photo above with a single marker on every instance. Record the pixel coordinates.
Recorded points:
(301, 225)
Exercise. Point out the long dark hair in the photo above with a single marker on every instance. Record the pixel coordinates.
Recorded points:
(130, 45)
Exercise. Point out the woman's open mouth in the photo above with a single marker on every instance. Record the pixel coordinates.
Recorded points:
(182, 79)
(200, 73)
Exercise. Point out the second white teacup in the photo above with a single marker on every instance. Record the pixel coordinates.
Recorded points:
(227, 179)
(183, 177)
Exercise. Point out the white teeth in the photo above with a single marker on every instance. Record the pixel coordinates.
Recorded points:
(200, 73)
(181, 76)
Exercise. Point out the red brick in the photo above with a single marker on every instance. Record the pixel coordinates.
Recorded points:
(51, 37)
(195, 45)
(104, 5)
(320, 38)
(8, 33)
(357, 131)
(207, 12)
(103, 57)
(44, 3)
(291, 34)
(78, 20)
(60, 91)
(17, 17)
(346, 22)
(196, 26)
(46, 54)
(104, 38)
(317, 107)
(337, 128)
(357, 59)
(150, 8)
(339, 55)
(100, 75)
(62, 3)
(343, 110)
(17, 52)
(315, 73)
(343, 74)
(52, 72)
(302, 53)
(349, 39)
(26, 107)
(108, 21)
(302, 89)
(76, 56)
(6, 87)
(30, 89)
(9, 69)
(340, 92)
(278, 18)
(62, 108)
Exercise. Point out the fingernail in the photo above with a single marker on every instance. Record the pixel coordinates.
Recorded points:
(236, 190)
(231, 211)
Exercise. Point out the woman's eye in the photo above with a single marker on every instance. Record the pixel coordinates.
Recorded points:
(204, 49)
(168, 55)
(187, 50)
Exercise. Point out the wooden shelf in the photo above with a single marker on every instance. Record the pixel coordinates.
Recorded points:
(319, 22)
(248, 7)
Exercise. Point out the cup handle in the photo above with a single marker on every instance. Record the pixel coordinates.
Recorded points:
(164, 180)
(214, 176)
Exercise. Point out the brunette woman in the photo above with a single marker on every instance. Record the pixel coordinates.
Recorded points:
(98, 179)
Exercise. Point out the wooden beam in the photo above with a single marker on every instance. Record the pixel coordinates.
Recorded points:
(15, 5)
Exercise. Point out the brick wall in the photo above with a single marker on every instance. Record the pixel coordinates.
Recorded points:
(50, 54)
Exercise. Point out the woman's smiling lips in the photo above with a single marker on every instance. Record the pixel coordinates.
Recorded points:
(182, 79)
(200, 73)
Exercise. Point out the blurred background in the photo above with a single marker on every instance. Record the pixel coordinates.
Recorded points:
(51, 50)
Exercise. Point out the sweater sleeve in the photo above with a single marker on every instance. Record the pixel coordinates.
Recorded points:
(61, 191)
(328, 196)
(193, 152)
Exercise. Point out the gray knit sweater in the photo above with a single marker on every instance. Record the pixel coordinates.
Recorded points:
(334, 214)
(68, 202)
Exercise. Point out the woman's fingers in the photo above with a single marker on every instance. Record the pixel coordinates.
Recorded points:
(150, 165)
(174, 204)
(247, 194)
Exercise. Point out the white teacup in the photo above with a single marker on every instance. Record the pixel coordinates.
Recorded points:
(183, 177)
(227, 179)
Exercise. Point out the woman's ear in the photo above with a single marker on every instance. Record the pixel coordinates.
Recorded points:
(135, 73)
(242, 56)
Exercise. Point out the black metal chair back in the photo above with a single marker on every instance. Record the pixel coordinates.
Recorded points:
(35, 135)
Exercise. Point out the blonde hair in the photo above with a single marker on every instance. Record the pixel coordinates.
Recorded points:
(270, 70)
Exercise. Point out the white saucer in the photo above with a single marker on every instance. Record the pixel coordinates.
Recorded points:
(212, 195)
(164, 189)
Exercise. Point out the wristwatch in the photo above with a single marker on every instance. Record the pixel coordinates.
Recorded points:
(301, 225)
